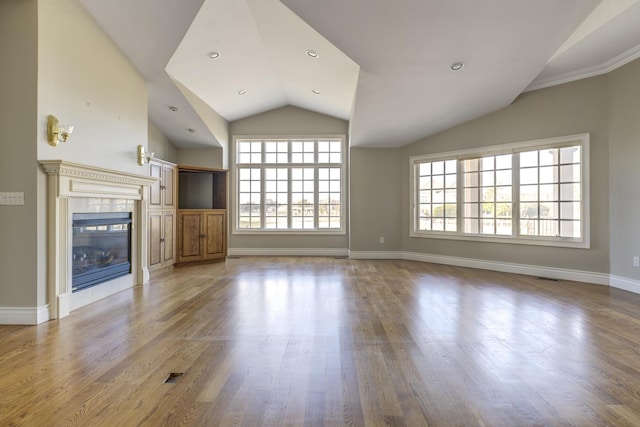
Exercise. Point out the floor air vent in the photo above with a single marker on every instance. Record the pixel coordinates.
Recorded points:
(173, 377)
(549, 279)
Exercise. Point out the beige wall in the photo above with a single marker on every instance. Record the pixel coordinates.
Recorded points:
(289, 121)
(201, 157)
(18, 155)
(578, 107)
(160, 145)
(375, 199)
(625, 170)
(286, 121)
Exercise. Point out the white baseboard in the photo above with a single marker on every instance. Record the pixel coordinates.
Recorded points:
(625, 284)
(505, 267)
(375, 255)
(24, 315)
(340, 252)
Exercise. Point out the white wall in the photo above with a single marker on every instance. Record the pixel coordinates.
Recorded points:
(85, 80)
(216, 124)
(161, 146)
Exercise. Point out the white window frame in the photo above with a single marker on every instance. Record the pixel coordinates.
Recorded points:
(579, 139)
(316, 166)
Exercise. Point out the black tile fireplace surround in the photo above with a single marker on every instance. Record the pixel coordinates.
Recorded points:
(101, 248)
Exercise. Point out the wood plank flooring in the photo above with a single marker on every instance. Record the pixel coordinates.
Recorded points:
(322, 341)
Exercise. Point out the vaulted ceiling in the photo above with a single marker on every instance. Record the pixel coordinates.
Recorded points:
(386, 67)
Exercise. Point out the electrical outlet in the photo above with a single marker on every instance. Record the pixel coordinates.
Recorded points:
(636, 261)
(381, 240)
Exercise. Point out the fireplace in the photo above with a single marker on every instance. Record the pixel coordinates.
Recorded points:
(117, 244)
(101, 248)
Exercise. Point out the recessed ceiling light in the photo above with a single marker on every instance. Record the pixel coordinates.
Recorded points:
(313, 53)
(213, 54)
(173, 108)
(316, 91)
(457, 66)
(242, 92)
(192, 130)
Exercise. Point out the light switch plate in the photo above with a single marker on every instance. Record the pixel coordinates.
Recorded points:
(13, 198)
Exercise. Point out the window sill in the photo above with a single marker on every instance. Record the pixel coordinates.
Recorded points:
(289, 232)
(533, 241)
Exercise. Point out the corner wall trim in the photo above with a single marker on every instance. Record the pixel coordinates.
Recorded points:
(24, 315)
(288, 252)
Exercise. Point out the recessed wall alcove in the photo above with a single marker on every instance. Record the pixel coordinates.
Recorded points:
(74, 188)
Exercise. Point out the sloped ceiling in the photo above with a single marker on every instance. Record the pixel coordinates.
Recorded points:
(384, 66)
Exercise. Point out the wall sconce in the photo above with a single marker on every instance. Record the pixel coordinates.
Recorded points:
(57, 132)
(143, 157)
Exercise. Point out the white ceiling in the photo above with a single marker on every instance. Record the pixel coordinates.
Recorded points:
(384, 66)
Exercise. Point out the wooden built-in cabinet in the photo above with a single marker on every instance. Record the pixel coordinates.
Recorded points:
(163, 192)
(162, 214)
(202, 235)
(162, 227)
(202, 215)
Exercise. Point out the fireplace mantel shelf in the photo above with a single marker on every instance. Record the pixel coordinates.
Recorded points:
(61, 167)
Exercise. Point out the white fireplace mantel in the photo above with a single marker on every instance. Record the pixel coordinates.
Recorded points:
(67, 180)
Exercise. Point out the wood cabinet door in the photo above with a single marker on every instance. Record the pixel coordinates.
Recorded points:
(169, 230)
(214, 230)
(189, 229)
(168, 181)
(155, 196)
(155, 234)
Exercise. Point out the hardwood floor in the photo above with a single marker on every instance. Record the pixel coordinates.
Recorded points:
(322, 341)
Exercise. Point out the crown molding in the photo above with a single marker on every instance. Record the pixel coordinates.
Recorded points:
(583, 73)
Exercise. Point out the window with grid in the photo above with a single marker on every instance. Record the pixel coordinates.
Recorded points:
(303, 198)
(290, 184)
(532, 193)
(329, 193)
(550, 192)
(249, 198)
(488, 195)
(437, 196)
(276, 196)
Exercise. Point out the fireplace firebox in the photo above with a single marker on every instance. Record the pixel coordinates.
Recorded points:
(101, 248)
